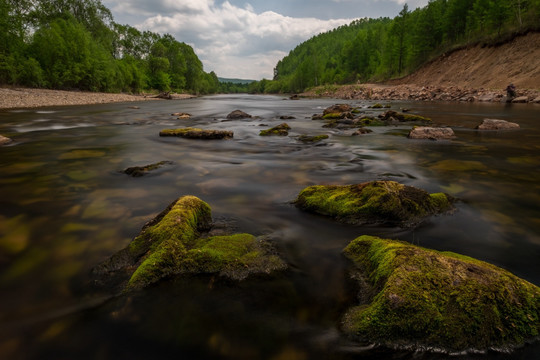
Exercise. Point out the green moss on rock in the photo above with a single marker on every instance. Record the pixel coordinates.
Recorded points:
(441, 300)
(195, 133)
(171, 244)
(312, 139)
(280, 130)
(381, 202)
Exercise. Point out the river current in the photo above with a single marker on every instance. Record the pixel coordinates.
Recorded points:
(65, 206)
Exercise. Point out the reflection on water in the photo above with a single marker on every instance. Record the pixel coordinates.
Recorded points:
(65, 206)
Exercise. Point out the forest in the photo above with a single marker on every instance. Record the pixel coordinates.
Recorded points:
(381, 49)
(74, 44)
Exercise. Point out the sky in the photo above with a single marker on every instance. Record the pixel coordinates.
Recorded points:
(246, 38)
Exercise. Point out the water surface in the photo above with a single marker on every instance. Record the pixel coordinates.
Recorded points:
(65, 206)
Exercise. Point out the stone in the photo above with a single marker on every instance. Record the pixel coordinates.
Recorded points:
(5, 140)
(312, 139)
(520, 99)
(238, 114)
(172, 244)
(182, 115)
(138, 171)
(496, 124)
(287, 117)
(195, 133)
(362, 131)
(431, 133)
(420, 299)
(280, 130)
(376, 202)
(390, 114)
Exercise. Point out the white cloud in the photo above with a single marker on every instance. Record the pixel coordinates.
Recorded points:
(233, 41)
(246, 38)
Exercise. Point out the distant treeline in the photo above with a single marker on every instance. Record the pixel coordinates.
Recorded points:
(75, 44)
(380, 49)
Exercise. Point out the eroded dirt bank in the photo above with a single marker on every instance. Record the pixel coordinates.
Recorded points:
(475, 73)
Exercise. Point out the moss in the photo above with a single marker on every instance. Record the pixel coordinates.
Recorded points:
(332, 116)
(280, 130)
(312, 139)
(427, 298)
(405, 117)
(377, 106)
(385, 202)
(371, 121)
(171, 244)
(195, 133)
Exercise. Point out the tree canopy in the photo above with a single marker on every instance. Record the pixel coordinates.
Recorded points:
(380, 49)
(75, 44)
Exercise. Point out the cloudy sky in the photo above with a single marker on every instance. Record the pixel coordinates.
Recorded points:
(246, 38)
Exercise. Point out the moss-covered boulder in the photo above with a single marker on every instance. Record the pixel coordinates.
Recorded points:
(411, 296)
(307, 139)
(195, 133)
(173, 244)
(280, 130)
(376, 202)
(391, 116)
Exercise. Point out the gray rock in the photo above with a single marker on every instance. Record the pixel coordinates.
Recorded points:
(432, 133)
(238, 114)
(495, 124)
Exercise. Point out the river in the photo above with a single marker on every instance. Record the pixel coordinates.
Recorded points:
(65, 206)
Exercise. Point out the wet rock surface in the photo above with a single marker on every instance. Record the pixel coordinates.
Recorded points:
(432, 133)
(495, 124)
(422, 299)
(377, 202)
(195, 133)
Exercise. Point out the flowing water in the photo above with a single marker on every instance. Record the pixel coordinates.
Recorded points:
(65, 206)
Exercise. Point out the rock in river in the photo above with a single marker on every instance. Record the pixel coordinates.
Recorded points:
(194, 133)
(4, 140)
(171, 244)
(238, 114)
(138, 171)
(431, 133)
(280, 130)
(412, 297)
(376, 202)
(495, 124)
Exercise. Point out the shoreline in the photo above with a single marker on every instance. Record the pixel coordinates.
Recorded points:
(412, 92)
(26, 98)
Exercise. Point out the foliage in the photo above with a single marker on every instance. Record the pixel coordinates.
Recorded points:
(379, 49)
(75, 44)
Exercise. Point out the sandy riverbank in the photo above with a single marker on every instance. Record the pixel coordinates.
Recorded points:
(12, 98)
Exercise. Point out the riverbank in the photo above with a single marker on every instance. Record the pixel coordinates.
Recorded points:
(13, 98)
(419, 93)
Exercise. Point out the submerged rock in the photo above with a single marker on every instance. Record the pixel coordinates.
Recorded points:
(280, 130)
(431, 133)
(181, 115)
(495, 124)
(420, 298)
(171, 244)
(238, 114)
(312, 139)
(194, 133)
(362, 131)
(376, 202)
(4, 140)
(138, 171)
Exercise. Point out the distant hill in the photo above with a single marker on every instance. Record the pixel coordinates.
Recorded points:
(235, 81)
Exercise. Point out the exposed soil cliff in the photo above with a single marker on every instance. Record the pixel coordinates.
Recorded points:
(481, 66)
